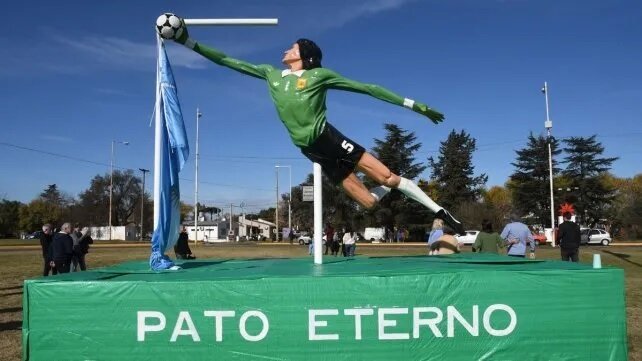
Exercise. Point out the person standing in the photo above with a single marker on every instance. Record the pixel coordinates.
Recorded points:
(63, 248)
(517, 235)
(78, 258)
(181, 249)
(329, 237)
(436, 232)
(568, 238)
(46, 238)
(350, 243)
(488, 241)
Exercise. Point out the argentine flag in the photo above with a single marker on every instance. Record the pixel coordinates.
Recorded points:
(171, 152)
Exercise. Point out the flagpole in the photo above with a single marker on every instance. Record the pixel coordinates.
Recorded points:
(157, 140)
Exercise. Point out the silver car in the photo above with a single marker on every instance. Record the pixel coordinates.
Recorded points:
(595, 236)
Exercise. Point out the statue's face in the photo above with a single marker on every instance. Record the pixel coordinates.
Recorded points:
(291, 55)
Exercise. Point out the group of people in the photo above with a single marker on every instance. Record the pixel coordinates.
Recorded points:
(64, 249)
(516, 237)
(344, 242)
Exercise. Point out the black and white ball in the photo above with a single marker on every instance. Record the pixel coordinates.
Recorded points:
(169, 26)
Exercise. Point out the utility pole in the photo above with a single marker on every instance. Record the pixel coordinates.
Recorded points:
(230, 217)
(142, 203)
(276, 220)
(198, 116)
(548, 124)
(111, 181)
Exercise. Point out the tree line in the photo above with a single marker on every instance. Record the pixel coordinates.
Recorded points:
(581, 177)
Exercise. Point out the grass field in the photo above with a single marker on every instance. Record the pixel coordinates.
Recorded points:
(20, 260)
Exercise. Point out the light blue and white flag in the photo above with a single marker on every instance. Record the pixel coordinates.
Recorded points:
(171, 152)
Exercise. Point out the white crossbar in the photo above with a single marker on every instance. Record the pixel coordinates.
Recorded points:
(216, 22)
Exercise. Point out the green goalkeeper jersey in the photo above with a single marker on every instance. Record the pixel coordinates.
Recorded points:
(300, 96)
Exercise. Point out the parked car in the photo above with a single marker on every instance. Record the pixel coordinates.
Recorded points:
(468, 238)
(540, 238)
(304, 239)
(595, 236)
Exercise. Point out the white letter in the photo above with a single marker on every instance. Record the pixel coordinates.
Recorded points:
(184, 316)
(264, 321)
(431, 322)
(218, 321)
(357, 313)
(313, 324)
(511, 326)
(453, 313)
(383, 323)
(143, 327)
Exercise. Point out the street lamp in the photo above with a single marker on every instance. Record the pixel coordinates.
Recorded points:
(142, 202)
(289, 195)
(198, 116)
(548, 124)
(111, 179)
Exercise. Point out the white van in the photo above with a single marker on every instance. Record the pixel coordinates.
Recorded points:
(374, 234)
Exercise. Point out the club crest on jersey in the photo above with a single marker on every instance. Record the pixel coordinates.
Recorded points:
(301, 83)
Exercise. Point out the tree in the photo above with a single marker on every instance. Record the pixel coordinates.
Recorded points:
(498, 200)
(9, 218)
(454, 171)
(627, 207)
(529, 184)
(125, 200)
(51, 206)
(397, 151)
(586, 168)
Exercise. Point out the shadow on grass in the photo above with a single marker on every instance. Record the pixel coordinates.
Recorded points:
(10, 309)
(624, 257)
(10, 288)
(10, 326)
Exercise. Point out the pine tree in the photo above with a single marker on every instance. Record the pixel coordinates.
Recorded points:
(586, 168)
(454, 171)
(397, 152)
(529, 183)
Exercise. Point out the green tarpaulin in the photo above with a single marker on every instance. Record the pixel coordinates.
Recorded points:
(460, 307)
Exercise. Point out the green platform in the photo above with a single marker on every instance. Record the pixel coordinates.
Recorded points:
(461, 307)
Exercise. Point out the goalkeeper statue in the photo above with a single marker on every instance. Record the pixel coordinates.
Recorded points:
(299, 93)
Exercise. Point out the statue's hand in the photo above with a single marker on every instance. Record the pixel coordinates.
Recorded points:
(434, 115)
(184, 35)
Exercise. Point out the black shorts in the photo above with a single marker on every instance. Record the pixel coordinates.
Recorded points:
(337, 154)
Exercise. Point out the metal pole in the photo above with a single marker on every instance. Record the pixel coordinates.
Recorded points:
(198, 115)
(290, 201)
(318, 210)
(111, 181)
(548, 125)
(276, 221)
(142, 203)
(111, 184)
(230, 219)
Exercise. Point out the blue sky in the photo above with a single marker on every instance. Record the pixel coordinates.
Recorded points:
(78, 74)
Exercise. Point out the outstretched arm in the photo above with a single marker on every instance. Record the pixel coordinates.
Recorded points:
(336, 81)
(218, 57)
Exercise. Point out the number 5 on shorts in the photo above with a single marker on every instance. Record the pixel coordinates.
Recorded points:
(347, 146)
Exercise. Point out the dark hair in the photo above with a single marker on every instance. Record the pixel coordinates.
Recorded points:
(566, 215)
(448, 230)
(311, 54)
(487, 226)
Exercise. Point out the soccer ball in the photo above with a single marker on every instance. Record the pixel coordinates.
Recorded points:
(169, 26)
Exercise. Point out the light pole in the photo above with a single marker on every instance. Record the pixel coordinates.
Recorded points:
(289, 195)
(198, 116)
(276, 218)
(111, 179)
(142, 202)
(548, 124)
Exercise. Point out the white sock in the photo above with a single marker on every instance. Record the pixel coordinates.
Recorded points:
(410, 189)
(379, 192)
